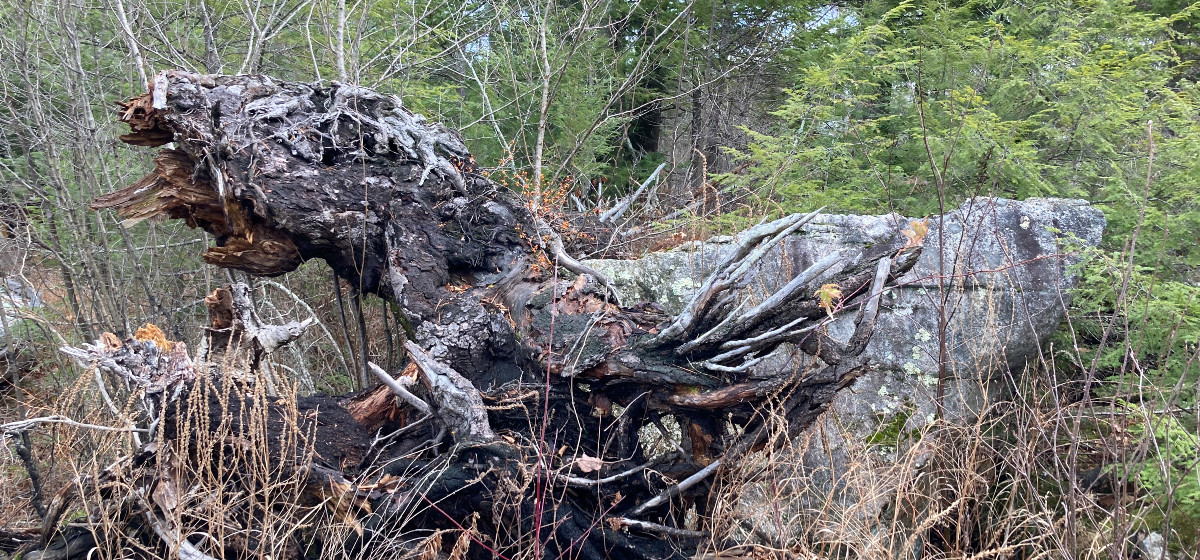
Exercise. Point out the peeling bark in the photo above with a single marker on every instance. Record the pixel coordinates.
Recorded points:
(524, 374)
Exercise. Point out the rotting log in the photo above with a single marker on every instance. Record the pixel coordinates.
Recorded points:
(531, 383)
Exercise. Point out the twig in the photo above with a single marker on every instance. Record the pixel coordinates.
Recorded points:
(311, 313)
(102, 387)
(792, 288)
(658, 528)
(732, 369)
(581, 482)
(269, 337)
(337, 292)
(677, 489)
(399, 389)
(21, 425)
(185, 549)
(401, 431)
(364, 347)
(767, 336)
(564, 259)
(770, 305)
(78, 487)
(615, 213)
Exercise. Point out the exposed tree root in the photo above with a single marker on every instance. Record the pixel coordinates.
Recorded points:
(519, 420)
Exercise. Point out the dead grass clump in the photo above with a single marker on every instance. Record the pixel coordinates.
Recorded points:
(1021, 482)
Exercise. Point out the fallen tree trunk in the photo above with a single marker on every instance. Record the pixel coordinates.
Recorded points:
(521, 419)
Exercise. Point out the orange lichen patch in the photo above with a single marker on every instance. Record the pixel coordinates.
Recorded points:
(152, 333)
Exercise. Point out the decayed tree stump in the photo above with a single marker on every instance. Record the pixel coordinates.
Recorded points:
(526, 392)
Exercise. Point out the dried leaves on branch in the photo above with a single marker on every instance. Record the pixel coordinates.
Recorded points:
(517, 428)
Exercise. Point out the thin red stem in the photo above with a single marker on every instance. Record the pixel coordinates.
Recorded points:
(464, 529)
(540, 494)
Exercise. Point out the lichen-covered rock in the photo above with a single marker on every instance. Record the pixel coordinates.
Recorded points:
(17, 297)
(998, 270)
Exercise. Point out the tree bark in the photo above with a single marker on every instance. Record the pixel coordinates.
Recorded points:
(528, 377)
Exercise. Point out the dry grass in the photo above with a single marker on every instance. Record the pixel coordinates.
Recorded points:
(997, 488)
(992, 489)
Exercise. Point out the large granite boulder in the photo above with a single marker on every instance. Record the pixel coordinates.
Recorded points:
(998, 271)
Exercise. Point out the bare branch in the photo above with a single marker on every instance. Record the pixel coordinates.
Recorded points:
(398, 387)
(615, 213)
(676, 489)
(21, 425)
(663, 529)
(754, 245)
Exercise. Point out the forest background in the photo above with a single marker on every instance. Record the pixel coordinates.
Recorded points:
(753, 109)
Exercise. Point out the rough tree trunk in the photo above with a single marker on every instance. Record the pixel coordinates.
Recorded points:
(522, 379)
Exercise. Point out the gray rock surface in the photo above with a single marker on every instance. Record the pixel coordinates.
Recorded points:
(999, 269)
(1154, 547)
(16, 296)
